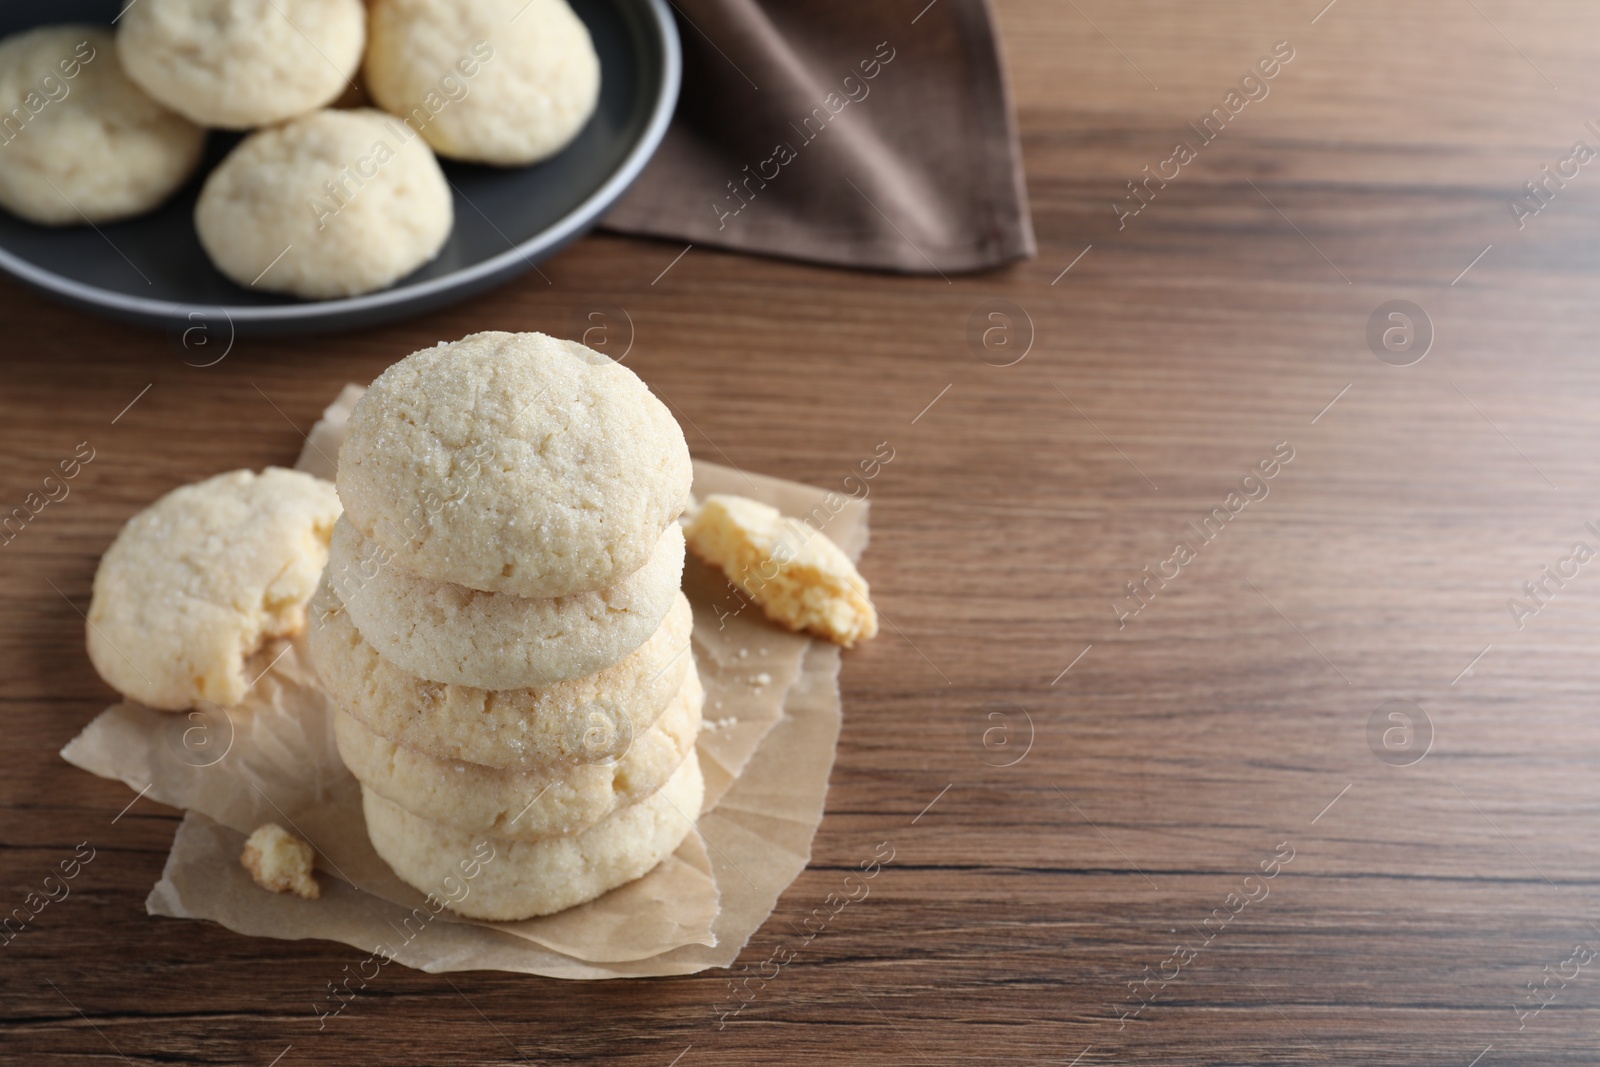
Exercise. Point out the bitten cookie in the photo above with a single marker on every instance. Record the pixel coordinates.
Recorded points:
(523, 805)
(331, 204)
(490, 81)
(449, 633)
(581, 720)
(79, 142)
(524, 879)
(197, 581)
(514, 463)
(798, 575)
(242, 63)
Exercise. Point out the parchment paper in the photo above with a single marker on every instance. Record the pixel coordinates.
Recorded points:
(771, 723)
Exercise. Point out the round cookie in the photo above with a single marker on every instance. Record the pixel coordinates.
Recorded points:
(523, 879)
(198, 580)
(79, 142)
(449, 633)
(507, 82)
(331, 204)
(513, 463)
(582, 719)
(237, 64)
(522, 805)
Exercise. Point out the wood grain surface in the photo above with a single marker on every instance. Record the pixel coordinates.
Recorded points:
(1083, 811)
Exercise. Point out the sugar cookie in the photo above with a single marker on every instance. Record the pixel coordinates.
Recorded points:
(513, 463)
(523, 805)
(331, 204)
(798, 575)
(522, 879)
(198, 580)
(79, 142)
(582, 719)
(449, 633)
(490, 81)
(242, 63)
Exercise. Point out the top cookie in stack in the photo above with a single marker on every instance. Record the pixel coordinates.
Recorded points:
(507, 569)
(518, 465)
(514, 463)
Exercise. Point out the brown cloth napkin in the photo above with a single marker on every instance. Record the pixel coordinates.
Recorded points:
(863, 133)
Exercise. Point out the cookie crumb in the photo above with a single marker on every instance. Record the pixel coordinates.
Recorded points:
(280, 861)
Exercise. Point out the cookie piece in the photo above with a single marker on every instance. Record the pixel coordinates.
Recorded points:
(507, 82)
(449, 633)
(79, 142)
(242, 63)
(800, 578)
(513, 463)
(280, 861)
(582, 719)
(330, 204)
(200, 579)
(509, 880)
(524, 805)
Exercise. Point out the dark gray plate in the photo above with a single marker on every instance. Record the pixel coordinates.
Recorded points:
(153, 270)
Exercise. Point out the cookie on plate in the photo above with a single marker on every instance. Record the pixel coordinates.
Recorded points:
(331, 204)
(449, 633)
(508, 880)
(236, 64)
(507, 82)
(514, 463)
(197, 581)
(79, 142)
(584, 719)
(523, 805)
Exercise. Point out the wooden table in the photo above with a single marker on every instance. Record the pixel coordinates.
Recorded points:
(1443, 866)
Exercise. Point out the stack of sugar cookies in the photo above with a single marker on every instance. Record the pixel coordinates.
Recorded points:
(500, 625)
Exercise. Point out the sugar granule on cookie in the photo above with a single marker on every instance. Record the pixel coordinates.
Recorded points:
(798, 576)
(280, 861)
